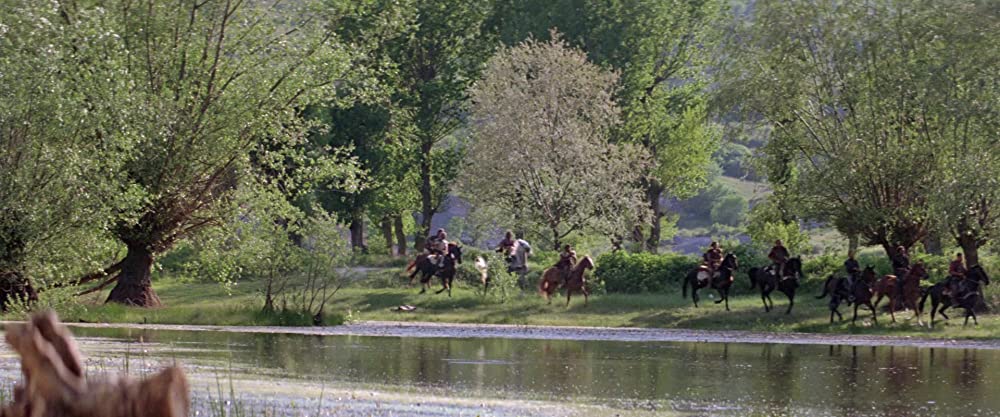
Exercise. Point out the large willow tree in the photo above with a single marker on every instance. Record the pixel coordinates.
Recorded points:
(60, 157)
(863, 97)
(206, 92)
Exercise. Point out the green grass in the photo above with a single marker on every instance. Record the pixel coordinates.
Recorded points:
(208, 303)
(190, 303)
(749, 190)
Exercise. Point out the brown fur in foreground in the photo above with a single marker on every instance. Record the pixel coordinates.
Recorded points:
(55, 385)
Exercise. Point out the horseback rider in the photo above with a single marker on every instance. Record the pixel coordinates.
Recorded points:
(713, 257)
(900, 267)
(567, 258)
(957, 267)
(853, 273)
(437, 247)
(506, 247)
(779, 256)
(901, 262)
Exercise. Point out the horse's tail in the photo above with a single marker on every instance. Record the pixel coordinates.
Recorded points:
(826, 288)
(684, 287)
(410, 266)
(753, 277)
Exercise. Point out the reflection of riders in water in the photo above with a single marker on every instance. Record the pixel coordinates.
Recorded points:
(567, 258)
(957, 267)
(713, 257)
(779, 256)
(437, 247)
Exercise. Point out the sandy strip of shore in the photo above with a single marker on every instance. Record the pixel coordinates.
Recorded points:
(453, 330)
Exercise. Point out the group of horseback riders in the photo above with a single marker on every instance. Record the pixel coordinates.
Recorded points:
(779, 256)
(515, 251)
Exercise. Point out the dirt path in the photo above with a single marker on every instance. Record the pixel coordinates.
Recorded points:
(423, 329)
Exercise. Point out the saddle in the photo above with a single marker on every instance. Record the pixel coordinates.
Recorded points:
(706, 273)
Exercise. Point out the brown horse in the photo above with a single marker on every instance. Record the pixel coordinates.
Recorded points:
(576, 281)
(887, 287)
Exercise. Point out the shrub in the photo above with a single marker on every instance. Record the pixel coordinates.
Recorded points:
(642, 272)
(730, 210)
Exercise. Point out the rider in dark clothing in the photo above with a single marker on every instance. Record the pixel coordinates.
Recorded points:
(779, 255)
(506, 246)
(567, 259)
(900, 266)
(853, 273)
(901, 262)
(957, 267)
(713, 257)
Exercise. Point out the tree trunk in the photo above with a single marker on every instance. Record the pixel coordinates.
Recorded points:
(15, 288)
(653, 192)
(970, 246)
(135, 285)
(386, 226)
(400, 235)
(358, 232)
(932, 244)
(555, 239)
(426, 195)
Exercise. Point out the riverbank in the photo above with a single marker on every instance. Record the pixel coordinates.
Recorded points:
(530, 332)
(240, 305)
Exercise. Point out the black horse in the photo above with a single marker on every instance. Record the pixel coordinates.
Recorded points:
(428, 269)
(859, 293)
(965, 293)
(721, 282)
(768, 280)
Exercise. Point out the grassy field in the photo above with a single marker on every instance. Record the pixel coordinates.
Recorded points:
(208, 303)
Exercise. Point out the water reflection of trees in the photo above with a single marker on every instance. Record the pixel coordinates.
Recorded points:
(768, 378)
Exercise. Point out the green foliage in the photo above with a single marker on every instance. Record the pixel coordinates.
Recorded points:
(790, 234)
(697, 210)
(503, 285)
(61, 152)
(862, 105)
(552, 166)
(730, 210)
(642, 272)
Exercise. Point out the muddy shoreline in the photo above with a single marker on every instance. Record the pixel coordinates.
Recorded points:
(452, 330)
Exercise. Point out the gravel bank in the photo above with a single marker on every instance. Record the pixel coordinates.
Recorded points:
(423, 329)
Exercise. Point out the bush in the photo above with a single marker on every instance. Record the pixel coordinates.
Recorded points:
(642, 272)
(730, 210)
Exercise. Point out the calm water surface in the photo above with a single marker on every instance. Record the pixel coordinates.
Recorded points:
(667, 378)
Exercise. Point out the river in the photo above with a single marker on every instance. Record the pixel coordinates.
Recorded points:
(296, 375)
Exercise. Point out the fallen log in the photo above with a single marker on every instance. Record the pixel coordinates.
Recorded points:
(55, 385)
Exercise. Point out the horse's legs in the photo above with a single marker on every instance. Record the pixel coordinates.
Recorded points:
(694, 296)
(944, 306)
(763, 298)
(892, 308)
(855, 318)
(874, 318)
(791, 301)
(586, 294)
(726, 295)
